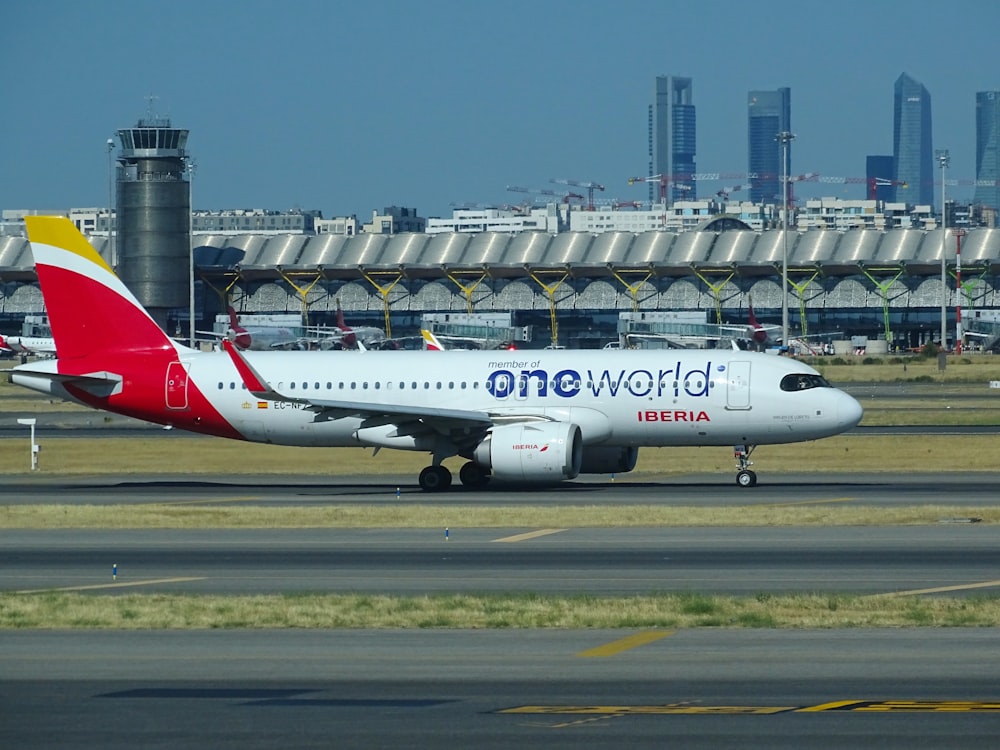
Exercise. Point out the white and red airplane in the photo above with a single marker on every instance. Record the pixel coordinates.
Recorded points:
(29, 345)
(259, 338)
(524, 416)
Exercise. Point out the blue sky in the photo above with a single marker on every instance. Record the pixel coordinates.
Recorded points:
(347, 107)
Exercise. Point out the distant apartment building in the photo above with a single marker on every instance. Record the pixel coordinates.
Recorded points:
(238, 221)
(672, 141)
(843, 215)
(912, 147)
(474, 221)
(395, 220)
(768, 113)
(344, 226)
(988, 151)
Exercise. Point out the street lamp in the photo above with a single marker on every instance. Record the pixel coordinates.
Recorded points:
(111, 202)
(784, 138)
(943, 158)
(191, 167)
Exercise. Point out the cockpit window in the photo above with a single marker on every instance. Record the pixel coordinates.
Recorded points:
(803, 381)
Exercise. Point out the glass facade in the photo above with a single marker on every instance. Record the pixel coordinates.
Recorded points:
(768, 113)
(672, 142)
(912, 147)
(988, 149)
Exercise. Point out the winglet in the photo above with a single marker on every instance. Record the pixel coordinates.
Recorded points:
(251, 378)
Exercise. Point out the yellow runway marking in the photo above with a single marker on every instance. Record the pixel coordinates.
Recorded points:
(121, 585)
(834, 706)
(810, 502)
(529, 535)
(939, 589)
(624, 644)
(856, 706)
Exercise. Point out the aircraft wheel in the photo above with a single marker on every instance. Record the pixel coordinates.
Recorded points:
(435, 479)
(746, 478)
(473, 475)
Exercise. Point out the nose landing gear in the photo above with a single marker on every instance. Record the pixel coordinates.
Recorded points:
(745, 477)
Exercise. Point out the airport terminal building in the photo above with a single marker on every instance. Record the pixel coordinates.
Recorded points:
(571, 286)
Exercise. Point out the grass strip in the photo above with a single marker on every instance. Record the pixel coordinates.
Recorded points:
(455, 517)
(57, 611)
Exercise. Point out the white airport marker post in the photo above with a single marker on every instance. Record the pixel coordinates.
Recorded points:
(30, 422)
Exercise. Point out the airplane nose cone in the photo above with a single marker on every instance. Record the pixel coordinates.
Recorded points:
(849, 411)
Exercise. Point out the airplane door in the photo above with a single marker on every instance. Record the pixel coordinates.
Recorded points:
(177, 385)
(738, 385)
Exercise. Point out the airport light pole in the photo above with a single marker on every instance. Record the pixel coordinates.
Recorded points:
(943, 158)
(191, 167)
(784, 138)
(111, 203)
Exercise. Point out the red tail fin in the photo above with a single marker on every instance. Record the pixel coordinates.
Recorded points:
(88, 307)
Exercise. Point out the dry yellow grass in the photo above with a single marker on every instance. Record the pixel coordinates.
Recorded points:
(162, 611)
(405, 515)
(159, 455)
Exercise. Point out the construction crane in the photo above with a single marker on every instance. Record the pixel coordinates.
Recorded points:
(724, 192)
(564, 197)
(663, 180)
(589, 186)
(873, 183)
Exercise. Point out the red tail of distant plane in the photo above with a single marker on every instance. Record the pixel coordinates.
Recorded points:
(349, 339)
(758, 334)
(241, 337)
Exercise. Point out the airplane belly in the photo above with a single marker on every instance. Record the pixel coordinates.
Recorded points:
(283, 424)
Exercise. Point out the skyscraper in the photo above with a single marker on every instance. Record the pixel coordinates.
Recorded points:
(672, 138)
(988, 149)
(912, 147)
(768, 113)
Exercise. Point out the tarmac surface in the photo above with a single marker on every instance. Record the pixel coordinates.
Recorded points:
(698, 688)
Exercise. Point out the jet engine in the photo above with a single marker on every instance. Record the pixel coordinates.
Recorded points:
(533, 452)
(598, 459)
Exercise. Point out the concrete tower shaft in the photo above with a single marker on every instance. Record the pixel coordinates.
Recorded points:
(154, 215)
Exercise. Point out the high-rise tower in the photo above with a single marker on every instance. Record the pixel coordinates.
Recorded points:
(912, 147)
(768, 113)
(672, 143)
(988, 149)
(154, 215)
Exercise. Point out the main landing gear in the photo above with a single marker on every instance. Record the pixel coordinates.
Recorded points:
(435, 479)
(745, 477)
(438, 478)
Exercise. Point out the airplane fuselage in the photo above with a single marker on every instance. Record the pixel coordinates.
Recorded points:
(650, 398)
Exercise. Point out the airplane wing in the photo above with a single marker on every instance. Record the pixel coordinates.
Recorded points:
(442, 420)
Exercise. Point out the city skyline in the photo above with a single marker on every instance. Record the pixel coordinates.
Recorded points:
(448, 103)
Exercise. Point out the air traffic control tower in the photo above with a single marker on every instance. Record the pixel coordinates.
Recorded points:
(154, 216)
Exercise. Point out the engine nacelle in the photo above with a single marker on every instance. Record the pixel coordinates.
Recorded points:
(599, 459)
(532, 452)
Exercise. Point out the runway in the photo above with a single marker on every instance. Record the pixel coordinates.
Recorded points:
(700, 688)
(961, 558)
(701, 490)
